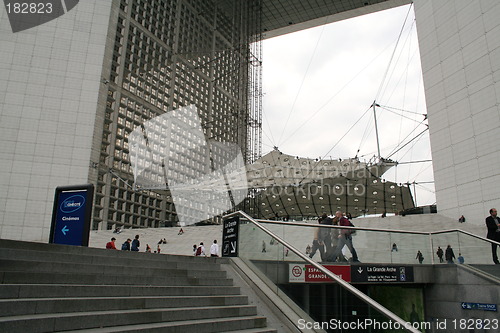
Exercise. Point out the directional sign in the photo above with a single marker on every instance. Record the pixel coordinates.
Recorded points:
(71, 215)
(479, 306)
(381, 273)
(65, 230)
(230, 237)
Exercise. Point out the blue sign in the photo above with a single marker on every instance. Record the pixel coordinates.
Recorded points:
(479, 306)
(71, 215)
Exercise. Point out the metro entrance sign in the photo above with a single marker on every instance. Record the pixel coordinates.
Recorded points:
(366, 273)
(377, 273)
(309, 273)
(71, 215)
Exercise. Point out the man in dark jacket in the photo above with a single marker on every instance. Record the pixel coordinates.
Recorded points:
(126, 245)
(135, 244)
(493, 225)
(449, 255)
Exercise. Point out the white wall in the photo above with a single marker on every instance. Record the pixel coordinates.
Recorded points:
(460, 53)
(49, 81)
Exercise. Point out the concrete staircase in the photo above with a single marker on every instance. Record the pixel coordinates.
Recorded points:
(52, 288)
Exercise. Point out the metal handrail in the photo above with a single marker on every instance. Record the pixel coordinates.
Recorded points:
(404, 324)
(464, 232)
(428, 233)
(340, 227)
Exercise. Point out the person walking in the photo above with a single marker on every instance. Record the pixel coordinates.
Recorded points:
(111, 244)
(460, 258)
(449, 255)
(214, 249)
(200, 251)
(345, 237)
(420, 257)
(326, 236)
(440, 253)
(318, 243)
(135, 244)
(493, 225)
(126, 245)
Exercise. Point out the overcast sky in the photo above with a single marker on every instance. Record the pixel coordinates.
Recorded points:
(319, 82)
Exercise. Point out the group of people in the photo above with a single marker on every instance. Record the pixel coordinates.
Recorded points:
(449, 255)
(199, 251)
(493, 226)
(133, 245)
(330, 241)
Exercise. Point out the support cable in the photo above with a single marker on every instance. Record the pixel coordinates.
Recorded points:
(418, 135)
(302, 83)
(390, 61)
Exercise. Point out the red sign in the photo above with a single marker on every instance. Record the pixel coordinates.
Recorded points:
(309, 273)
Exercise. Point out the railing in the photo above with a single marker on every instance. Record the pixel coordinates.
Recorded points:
(375, 245)
(267, 243)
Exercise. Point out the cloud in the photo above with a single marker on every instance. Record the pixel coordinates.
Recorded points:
(319, 82)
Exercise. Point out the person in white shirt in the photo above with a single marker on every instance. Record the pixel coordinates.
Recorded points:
(214, 249)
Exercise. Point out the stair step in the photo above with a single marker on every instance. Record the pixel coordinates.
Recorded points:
(52, 287)
(31, 306)
(216, 325)
(99, 279)
(105, 269)
(75, 290)
(96, 319)
(255, 330)
(117, 258)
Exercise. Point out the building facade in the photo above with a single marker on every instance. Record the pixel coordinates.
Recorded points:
(460, 54)
(74, 88)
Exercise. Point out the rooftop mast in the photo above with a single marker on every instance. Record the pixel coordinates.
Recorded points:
(376, 128)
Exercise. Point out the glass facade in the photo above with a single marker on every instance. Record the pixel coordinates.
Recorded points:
(167, 55)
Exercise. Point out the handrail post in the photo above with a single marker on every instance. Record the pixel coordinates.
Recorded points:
(432, 247)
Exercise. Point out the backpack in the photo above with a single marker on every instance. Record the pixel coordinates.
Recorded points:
(198, 251)
(125, 246)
